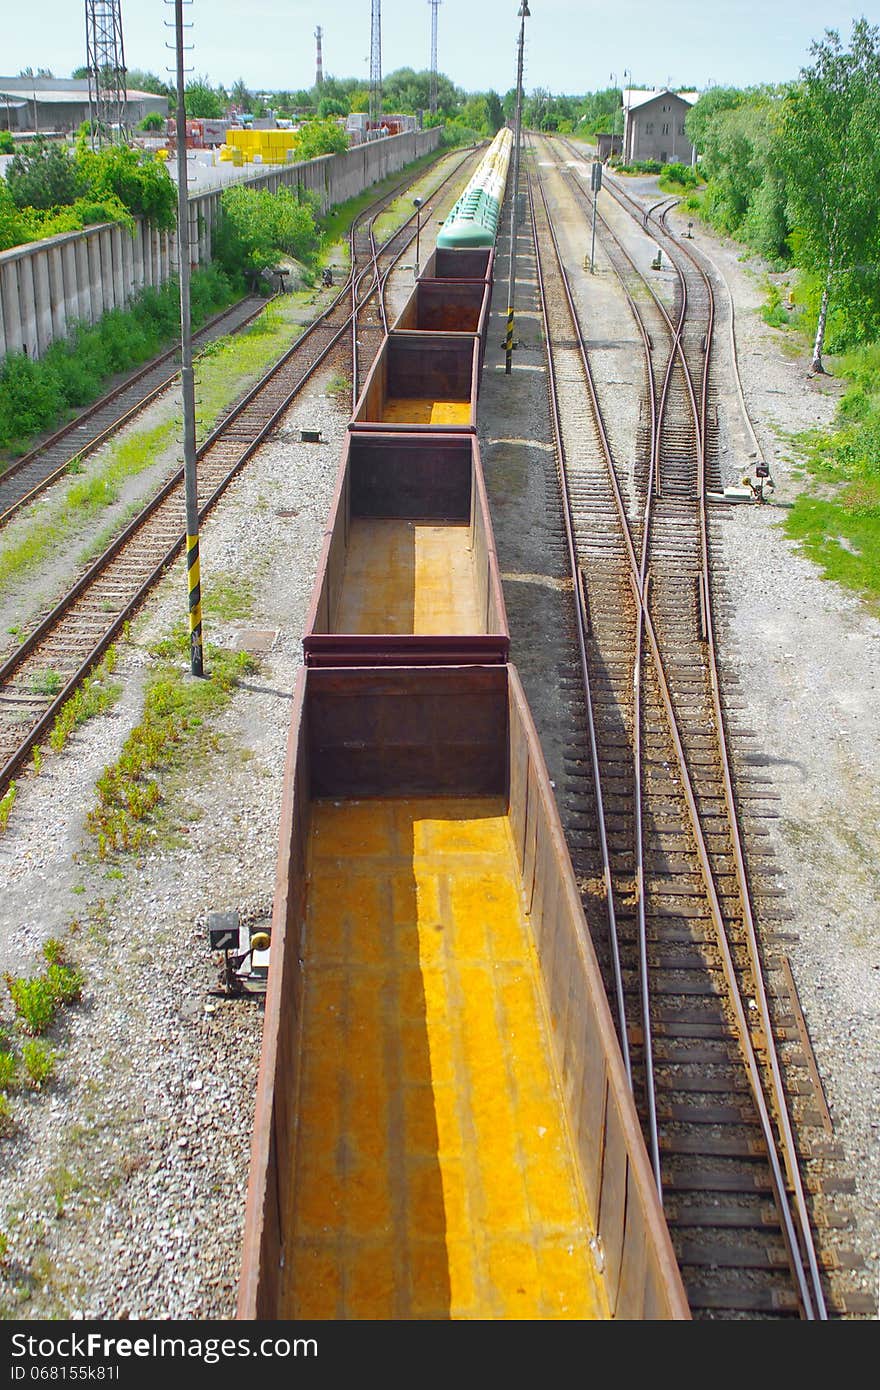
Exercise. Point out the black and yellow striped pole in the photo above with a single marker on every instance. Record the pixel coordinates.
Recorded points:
(511, 291)
(194, 586)
(187, 380)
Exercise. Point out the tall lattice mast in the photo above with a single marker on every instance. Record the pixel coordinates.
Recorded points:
(375, 63)
(435, 5)
(319, 61)
(105, 60)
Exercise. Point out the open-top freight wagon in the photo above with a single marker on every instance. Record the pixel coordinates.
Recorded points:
(444, 1126)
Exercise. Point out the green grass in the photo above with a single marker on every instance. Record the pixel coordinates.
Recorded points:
(50, 525)
(223, 375)
(96, 694)
(842, 536)
(176, 717)
(840, 530)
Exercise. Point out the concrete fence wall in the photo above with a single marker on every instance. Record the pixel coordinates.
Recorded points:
(48, 286)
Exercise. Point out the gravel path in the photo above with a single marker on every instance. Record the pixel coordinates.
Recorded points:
(122, 1186)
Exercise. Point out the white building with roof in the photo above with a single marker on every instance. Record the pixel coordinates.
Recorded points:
(654, 125)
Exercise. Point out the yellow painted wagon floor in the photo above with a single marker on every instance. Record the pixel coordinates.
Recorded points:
(405, 577)
(435, 1175)
(411, 410)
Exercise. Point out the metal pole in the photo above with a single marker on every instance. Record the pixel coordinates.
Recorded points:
(187, 382)
(417, 204)
(593, 235)
(511, 290)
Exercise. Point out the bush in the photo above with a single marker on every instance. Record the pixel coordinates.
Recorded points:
(142, 185)
(35, 395)
(677, 177)
(7, 144)
(154, 121)
(256, 226)
(321, 137)
(44, 176)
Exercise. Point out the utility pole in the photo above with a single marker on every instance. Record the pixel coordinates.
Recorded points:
(435, 5)
(524, 14)
(319, 60)
(187, 381)
(375, 65)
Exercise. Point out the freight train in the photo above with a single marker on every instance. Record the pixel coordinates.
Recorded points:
(474, 219)
(443, 1124)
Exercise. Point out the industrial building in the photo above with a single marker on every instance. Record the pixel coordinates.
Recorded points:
(59, 105)
(654, 126)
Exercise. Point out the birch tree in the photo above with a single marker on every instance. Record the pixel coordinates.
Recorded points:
(831, 155)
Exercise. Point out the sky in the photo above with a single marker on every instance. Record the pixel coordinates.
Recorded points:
(571, 45)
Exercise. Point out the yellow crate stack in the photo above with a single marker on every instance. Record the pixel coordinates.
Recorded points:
(267, 146)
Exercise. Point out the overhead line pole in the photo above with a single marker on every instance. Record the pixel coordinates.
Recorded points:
(524, 14)
(187, 380)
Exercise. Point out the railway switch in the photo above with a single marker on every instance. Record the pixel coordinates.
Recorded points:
(245, 953)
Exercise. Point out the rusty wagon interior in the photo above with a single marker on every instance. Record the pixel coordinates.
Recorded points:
(415, 1155)
(426, 381)
(460, 263)
(408, 553)
(446, 306)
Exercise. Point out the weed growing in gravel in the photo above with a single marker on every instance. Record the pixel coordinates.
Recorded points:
(45, 683)
(39, 1062)
(338, 386)
(8, 1070)
(7, 801)
(53, 950)
(37, 761)
(95, 695)
(175, 707)
(64, 982)
(228, 596)
(33, 1001)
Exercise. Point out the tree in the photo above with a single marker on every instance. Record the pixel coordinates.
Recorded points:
(321, 137)
(241, 96)
(494, 113)
(136, 80)
(256, 226)
(44, 176)
(332, 106)
(831, 158)
(202, 99)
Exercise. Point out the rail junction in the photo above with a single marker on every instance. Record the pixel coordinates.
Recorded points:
(665, 818)
(667, 828)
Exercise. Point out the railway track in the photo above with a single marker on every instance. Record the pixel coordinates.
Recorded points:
(29, 475)
(664, 860)
(46, 668)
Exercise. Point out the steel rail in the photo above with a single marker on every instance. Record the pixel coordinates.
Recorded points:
(778, 1090)
(571, 545)
(798, 1234)
(639, 566)
(749, 1055)
(43, 630)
